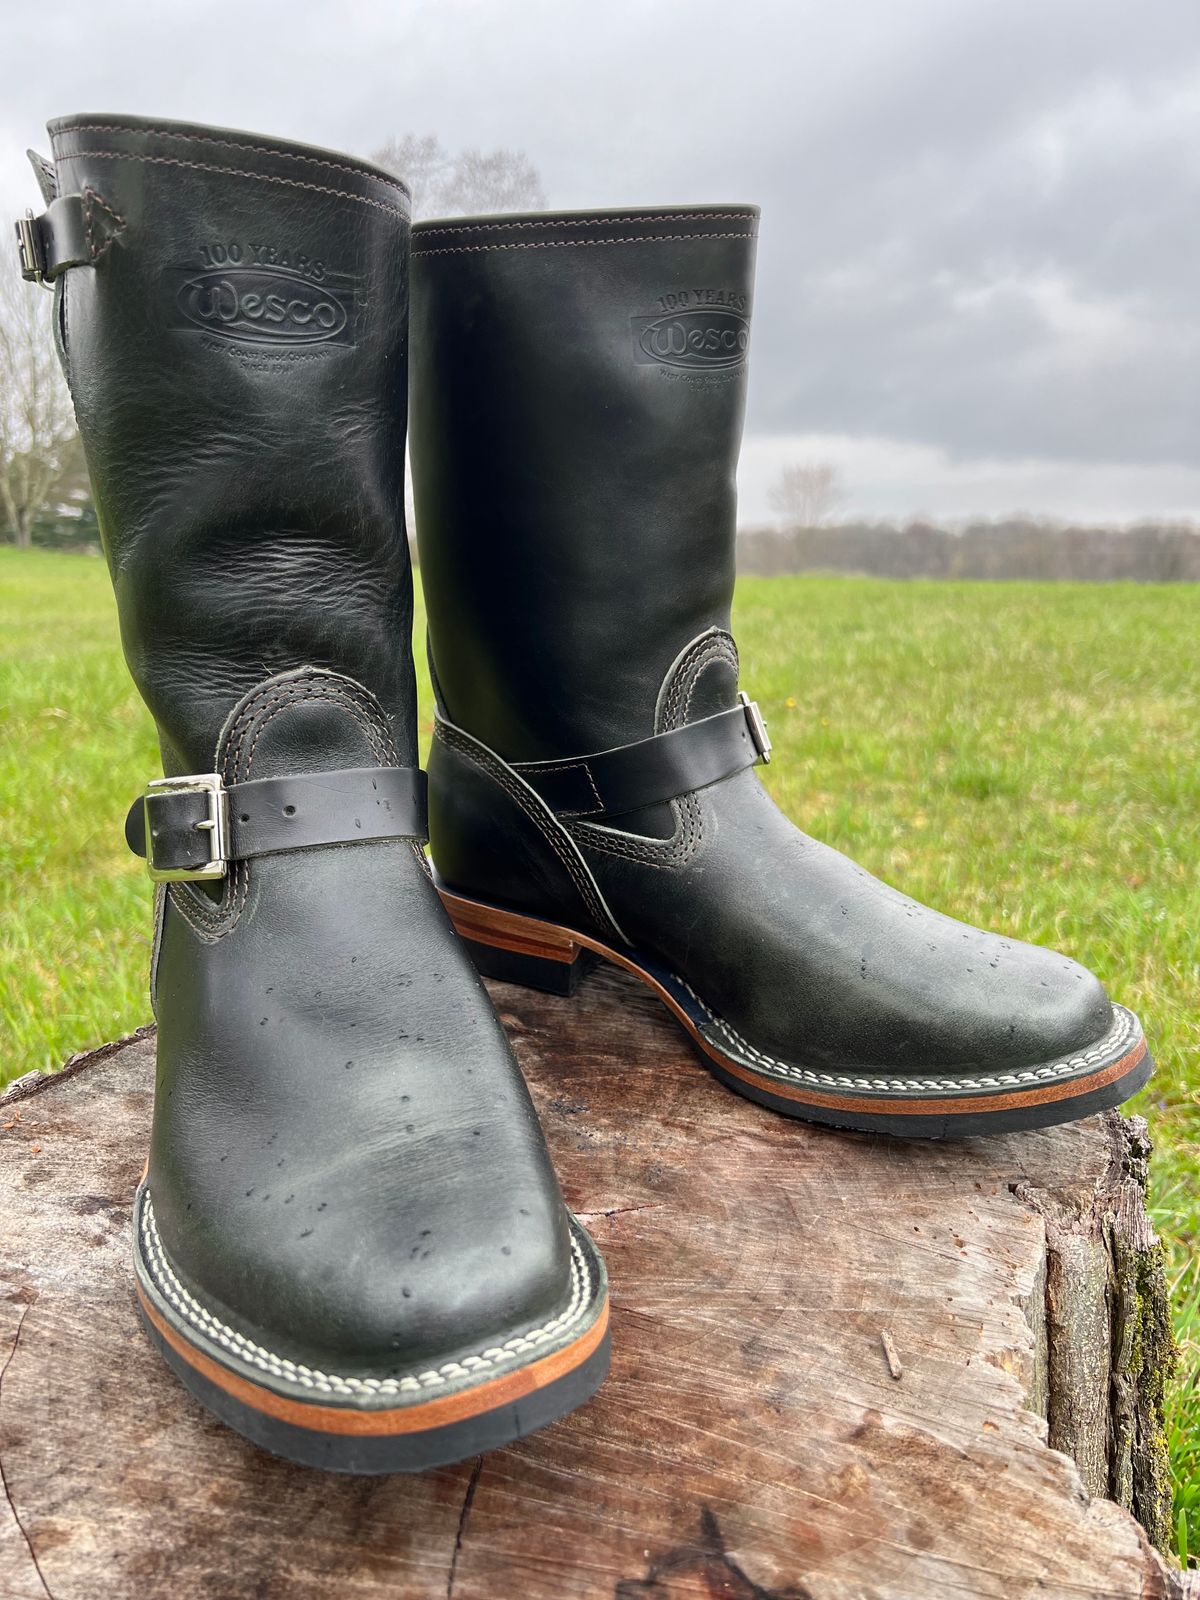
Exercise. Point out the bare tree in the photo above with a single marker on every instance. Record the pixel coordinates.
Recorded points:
(502, 180)
(421, 162)
(806, 494)
(449, 184)
(38, 437)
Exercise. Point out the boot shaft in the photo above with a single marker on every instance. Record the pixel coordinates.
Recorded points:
(235, 338)
(578, 391)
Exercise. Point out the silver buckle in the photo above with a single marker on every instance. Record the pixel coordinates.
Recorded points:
(757, 725)
(33, 262)
(215, 825)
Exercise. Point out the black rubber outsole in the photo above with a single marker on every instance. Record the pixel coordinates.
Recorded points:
(376, 1455)
(956, 1125)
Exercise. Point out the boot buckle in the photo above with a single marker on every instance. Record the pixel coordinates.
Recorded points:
(187, 828)
(756, 722)
(29, 248)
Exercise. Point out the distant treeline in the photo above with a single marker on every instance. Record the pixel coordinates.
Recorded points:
(1018, 547)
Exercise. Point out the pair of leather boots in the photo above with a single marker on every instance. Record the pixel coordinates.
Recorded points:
(350, 1243)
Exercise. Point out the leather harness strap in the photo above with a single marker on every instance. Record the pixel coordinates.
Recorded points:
(614, 782)
(192, 827)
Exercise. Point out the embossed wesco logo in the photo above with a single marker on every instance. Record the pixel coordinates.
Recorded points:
(264, 305)
(704, 338)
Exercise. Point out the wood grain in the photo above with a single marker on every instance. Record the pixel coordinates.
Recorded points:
(751, 1442)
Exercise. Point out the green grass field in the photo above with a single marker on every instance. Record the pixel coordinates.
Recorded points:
(1020, 755)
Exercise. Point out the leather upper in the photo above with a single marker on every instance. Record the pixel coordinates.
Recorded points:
(578, 389)
(345, 1166)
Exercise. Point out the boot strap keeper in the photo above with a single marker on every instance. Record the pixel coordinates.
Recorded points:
(613, 782)
(58, 239)
(191, 828)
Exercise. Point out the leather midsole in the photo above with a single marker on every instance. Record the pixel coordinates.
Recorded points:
(473, 1402)
(509, 930)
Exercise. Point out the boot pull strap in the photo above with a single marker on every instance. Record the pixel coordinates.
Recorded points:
(192, 828)
(75, 230)
(663, 767)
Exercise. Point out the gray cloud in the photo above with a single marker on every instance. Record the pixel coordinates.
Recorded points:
(981, 221)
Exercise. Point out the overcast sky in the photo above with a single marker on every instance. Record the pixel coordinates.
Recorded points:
(979, 270)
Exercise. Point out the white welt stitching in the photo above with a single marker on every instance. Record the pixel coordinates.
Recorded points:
(1123, 1029)
(278, 1366)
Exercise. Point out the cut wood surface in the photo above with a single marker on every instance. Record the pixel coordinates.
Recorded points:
(845, 1367)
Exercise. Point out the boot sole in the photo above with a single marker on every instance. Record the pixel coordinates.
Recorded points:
(372, 1437)
(517, 948)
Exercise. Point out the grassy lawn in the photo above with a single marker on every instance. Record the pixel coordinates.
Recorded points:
(1020, 755)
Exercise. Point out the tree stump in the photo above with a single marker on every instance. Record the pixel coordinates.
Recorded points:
(845, 1367)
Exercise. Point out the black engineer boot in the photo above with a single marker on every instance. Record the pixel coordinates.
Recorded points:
(350, 1244)
(578, 390)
